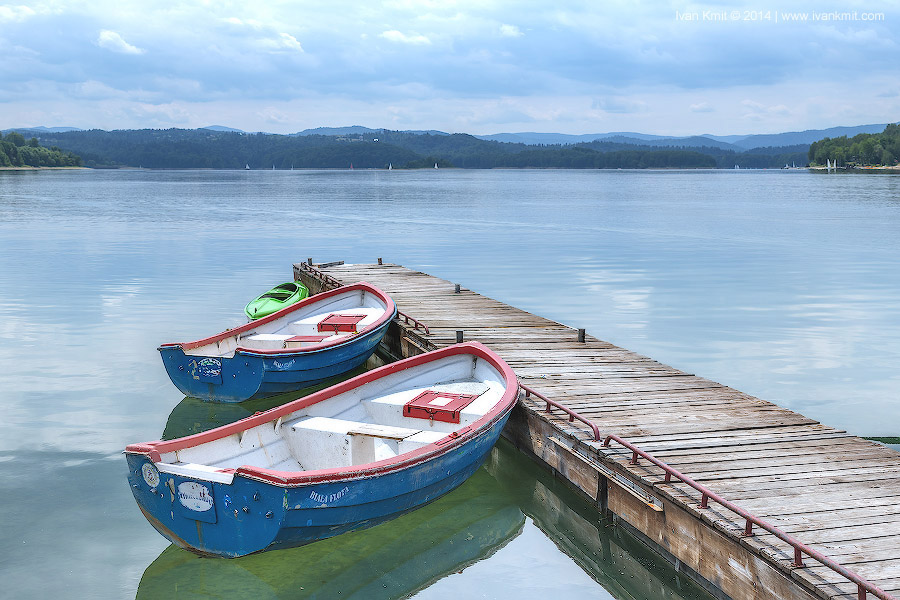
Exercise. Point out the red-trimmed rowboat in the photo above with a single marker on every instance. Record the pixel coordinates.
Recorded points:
(303, 344)
(345, 458)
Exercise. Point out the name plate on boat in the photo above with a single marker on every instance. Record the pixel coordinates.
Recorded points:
(437, 406)
(196, 501)
(207, 370)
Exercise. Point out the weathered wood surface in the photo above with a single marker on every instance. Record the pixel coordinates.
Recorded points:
(836, 492)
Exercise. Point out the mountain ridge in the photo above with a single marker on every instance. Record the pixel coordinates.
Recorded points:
(738, 143)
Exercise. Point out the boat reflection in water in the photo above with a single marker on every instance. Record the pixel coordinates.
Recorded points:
(193, 415)
(406, 555)
(392, 560)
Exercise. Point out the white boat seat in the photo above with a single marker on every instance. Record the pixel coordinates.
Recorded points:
(383, 431)
(266, 341)
(319, 442)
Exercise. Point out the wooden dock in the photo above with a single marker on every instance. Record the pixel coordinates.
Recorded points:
(834, 492)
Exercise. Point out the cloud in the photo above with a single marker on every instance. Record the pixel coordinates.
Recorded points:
(401, 38)
(502, 64)
(15, 13)
(756, 111)
(275, 116)
(282, 43)
(113, 41)
(619, 105)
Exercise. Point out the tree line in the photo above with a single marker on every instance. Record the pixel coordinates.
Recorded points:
(864, 149)
(15, 151)
(203, 148)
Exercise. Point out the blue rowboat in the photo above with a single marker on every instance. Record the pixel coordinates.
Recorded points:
(345, 458)
(298, 346)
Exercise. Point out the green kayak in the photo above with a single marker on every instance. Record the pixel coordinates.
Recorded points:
(276, 299)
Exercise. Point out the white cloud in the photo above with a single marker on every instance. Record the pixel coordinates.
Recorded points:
(251, 23)
(283, 42)
(15, 13)
(620, 105)
(702, 107)
(401, 38)
(756, 111)
(113, 41)
(275, 116)
(510, 31)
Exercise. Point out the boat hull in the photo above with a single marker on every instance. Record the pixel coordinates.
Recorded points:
(248, 375)
(250, 515)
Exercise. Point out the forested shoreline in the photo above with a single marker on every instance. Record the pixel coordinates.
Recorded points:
(862, 150)
(211, 149)
(15, 151)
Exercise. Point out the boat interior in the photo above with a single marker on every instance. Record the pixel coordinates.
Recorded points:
(379, 420)
(311, 325)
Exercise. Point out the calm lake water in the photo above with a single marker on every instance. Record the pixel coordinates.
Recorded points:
(785, 285)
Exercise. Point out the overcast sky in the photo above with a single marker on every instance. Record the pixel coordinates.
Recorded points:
(480, 66)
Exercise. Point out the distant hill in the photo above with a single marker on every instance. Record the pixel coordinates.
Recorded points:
(223, 128)
(360, 130)
(673, 142)
(738, 143)
(361, 147)
(36, 130)
(352, 130)
(805, 137)
(735, 142)
(728, 139)
(532, 138)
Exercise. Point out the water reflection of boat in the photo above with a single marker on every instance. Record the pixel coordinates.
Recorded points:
(393, 560)
(193, 415)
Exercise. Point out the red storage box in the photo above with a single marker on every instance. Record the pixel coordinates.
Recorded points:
(334, 323)
(437, 406)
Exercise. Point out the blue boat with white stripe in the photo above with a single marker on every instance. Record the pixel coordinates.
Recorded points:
(345, 458)
(303, 344)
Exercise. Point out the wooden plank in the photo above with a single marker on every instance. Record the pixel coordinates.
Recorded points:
(818, 482)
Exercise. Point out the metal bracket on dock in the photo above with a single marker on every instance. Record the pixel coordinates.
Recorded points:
(616, 478)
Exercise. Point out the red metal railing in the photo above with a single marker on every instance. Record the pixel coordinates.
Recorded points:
(416, 323)
(320, 275)
(572, 414)
(863, 587)
(334, 282)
